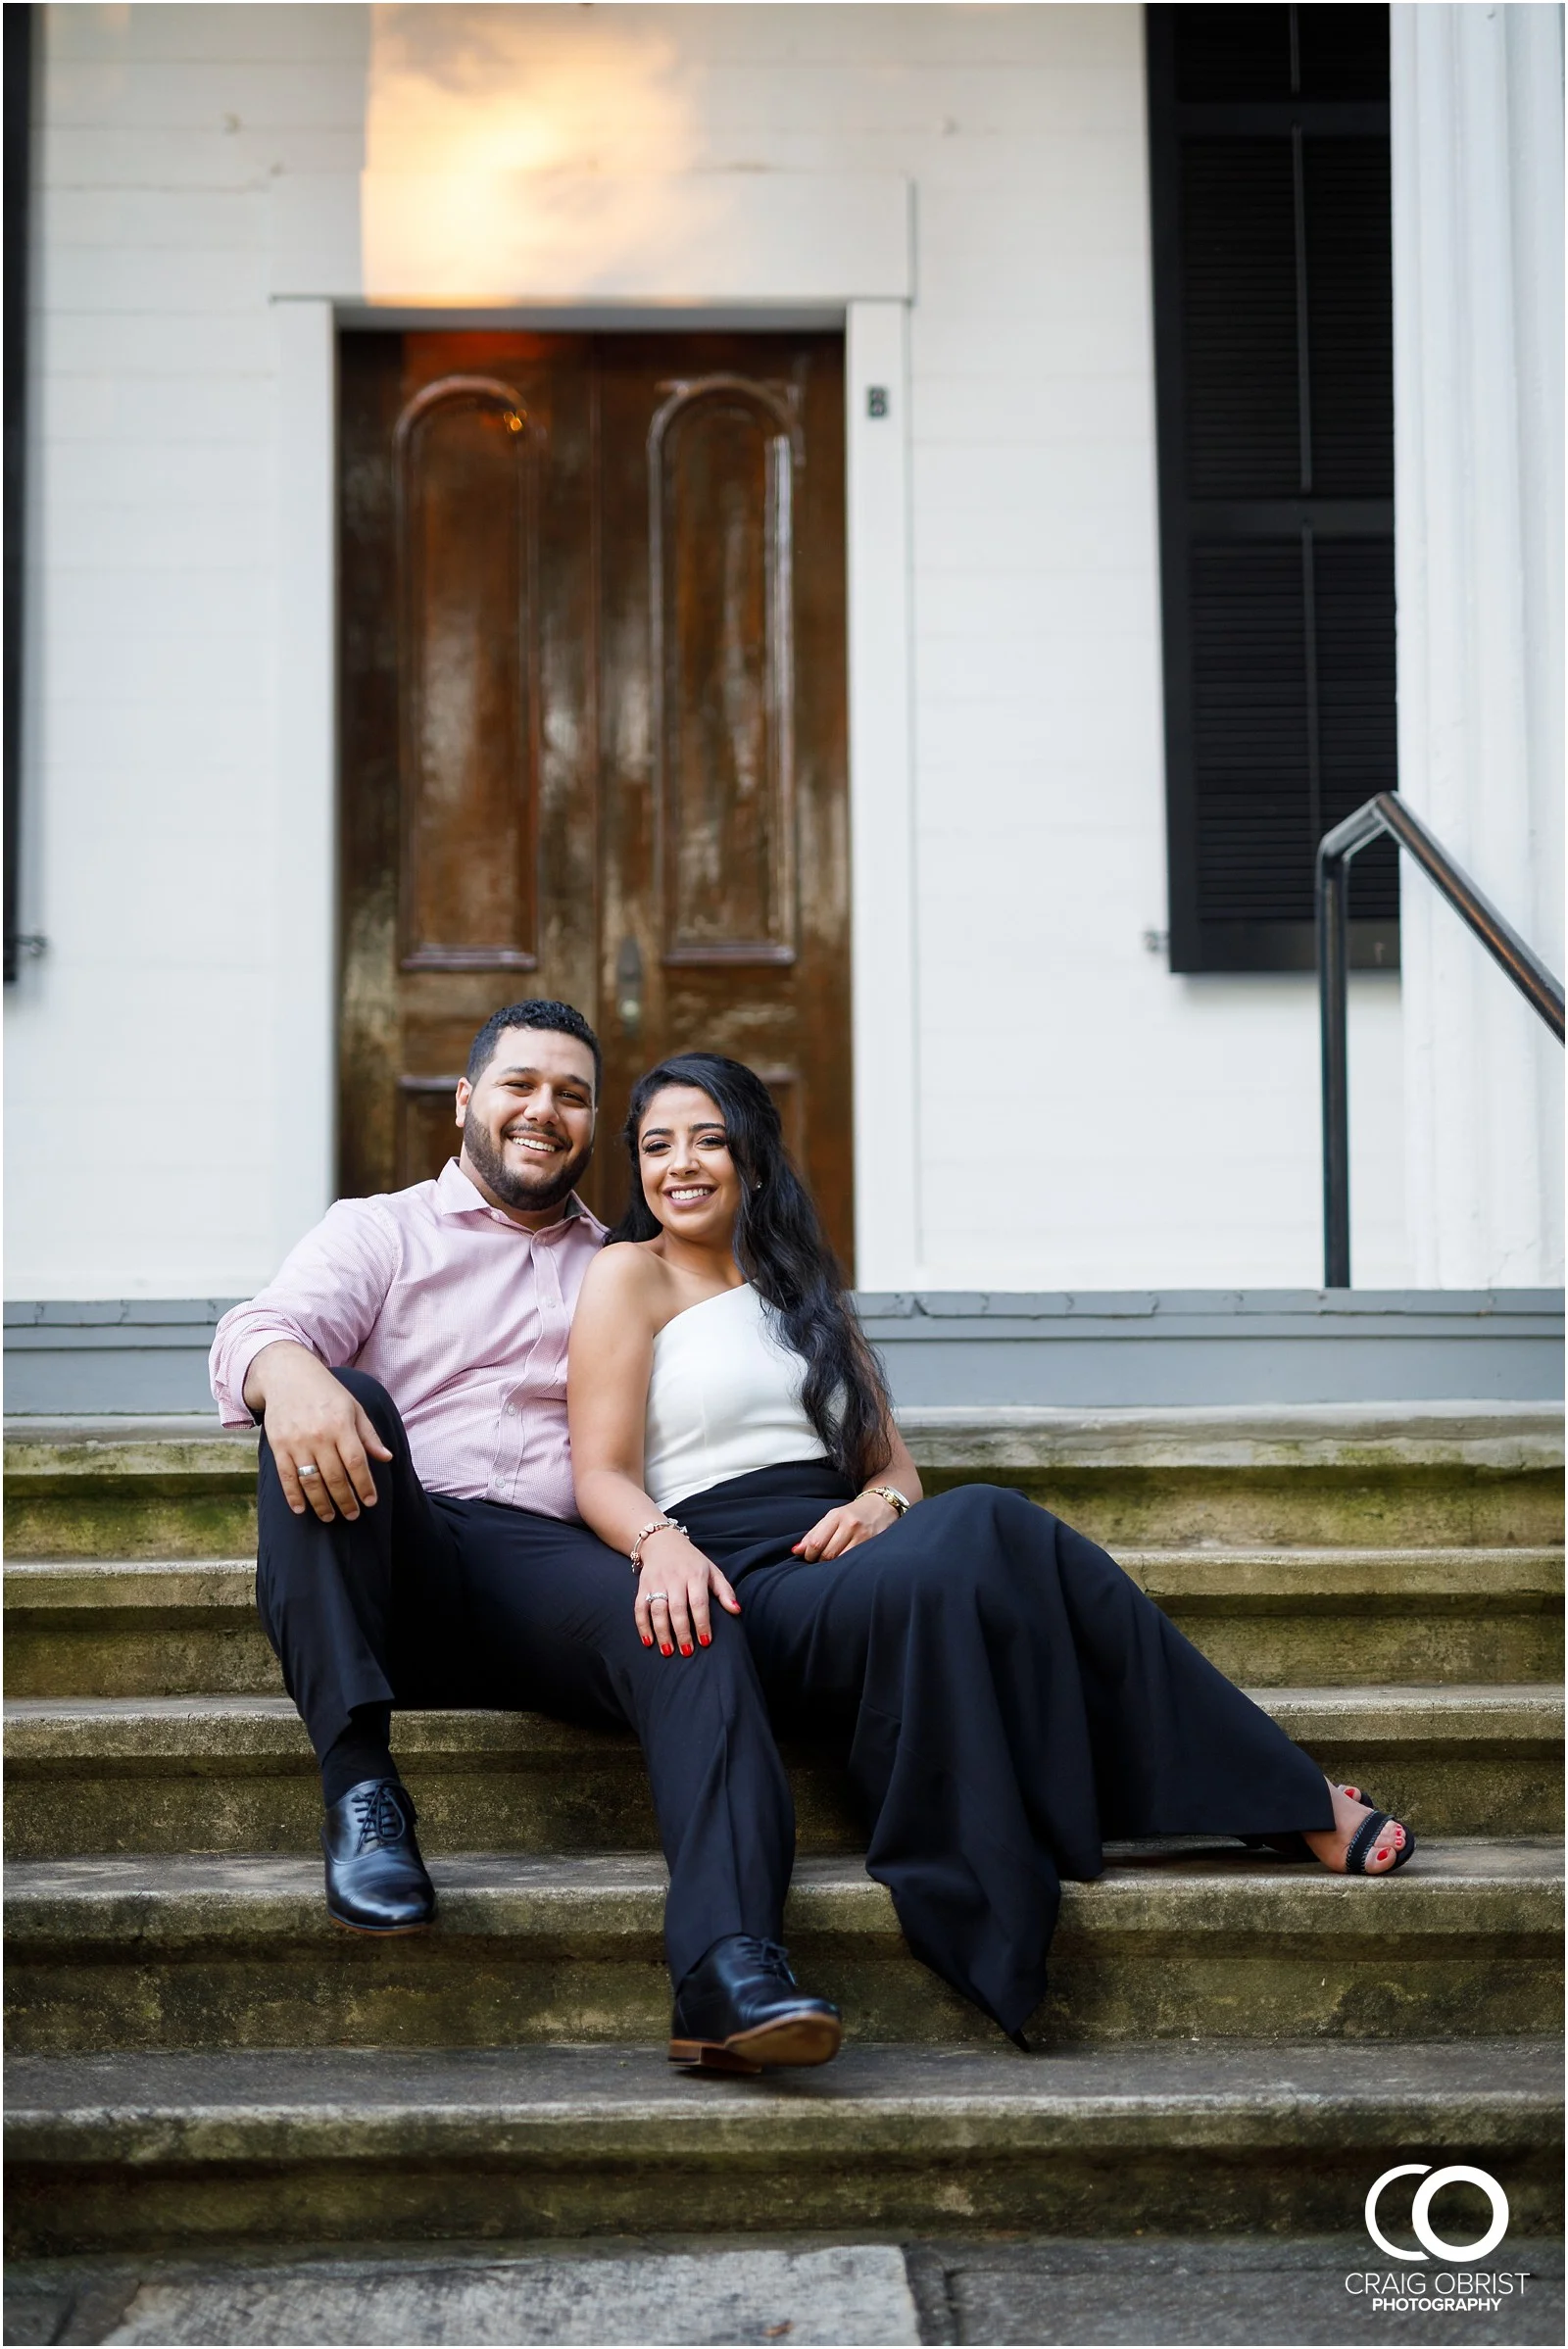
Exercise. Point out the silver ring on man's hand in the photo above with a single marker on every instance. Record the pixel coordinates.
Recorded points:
(307, 1468)
(651, 1596)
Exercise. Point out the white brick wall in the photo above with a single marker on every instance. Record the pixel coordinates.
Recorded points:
(1086, 1119)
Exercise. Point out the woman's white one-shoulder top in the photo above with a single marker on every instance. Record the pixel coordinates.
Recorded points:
(723, 1398)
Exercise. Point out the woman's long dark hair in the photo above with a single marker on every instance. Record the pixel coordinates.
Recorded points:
(782, 1250)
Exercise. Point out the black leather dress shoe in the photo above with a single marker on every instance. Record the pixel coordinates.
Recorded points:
(741, 2007)
(375, 1879)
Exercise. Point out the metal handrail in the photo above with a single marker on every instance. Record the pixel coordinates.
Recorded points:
(1535, 982)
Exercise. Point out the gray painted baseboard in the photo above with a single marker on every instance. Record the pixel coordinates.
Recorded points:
(951, 1346)
(1216, 1346)
(125, 1354)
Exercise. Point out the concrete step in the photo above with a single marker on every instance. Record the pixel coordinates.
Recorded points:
(1471, 1475)
(1347, 1618)
(161, 2151)
(1203, 1940)
(1275, 1618)
(94, 1775)
(172, 1488)
(135, 1627)
(1279, 1476)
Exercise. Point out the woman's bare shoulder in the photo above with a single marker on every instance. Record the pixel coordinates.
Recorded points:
(628, 1273)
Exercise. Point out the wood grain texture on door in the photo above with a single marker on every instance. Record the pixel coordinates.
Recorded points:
(593, 722)
(467, 561)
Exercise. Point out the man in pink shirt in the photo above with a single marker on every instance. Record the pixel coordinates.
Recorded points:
(417, 1537)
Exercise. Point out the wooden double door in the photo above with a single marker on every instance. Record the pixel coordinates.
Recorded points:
(593, 722)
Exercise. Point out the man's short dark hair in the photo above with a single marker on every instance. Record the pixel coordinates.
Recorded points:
(540, 1012)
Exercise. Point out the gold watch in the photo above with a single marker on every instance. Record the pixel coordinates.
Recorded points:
(898, 1503)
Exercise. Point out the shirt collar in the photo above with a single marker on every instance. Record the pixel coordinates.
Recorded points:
(455, 1194)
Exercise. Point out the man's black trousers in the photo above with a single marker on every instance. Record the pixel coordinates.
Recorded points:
(428, 1601)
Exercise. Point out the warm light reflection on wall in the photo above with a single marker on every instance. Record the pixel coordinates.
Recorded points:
(500, 144)
(479, 89)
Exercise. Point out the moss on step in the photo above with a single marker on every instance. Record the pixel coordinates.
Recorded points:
(1216, 1943)
(1443, 1473)
(236, 1775)
(1329, 1507)
(159, 2152)
(1273, 1618)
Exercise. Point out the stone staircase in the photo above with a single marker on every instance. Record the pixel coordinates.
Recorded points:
(1231, 2041)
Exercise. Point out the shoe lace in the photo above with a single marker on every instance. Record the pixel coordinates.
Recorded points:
(771, 1956)
(379, 1816)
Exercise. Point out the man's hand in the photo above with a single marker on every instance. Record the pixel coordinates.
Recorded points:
(314, 1423)
(846, 1527)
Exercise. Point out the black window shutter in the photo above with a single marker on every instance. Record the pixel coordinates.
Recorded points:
(1274, 361)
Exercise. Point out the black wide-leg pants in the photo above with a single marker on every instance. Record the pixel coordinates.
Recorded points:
(1009, 1699)
(1006, 1695)
(430, 1601)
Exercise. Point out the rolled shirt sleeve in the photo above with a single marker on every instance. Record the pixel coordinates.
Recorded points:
(327, 1298)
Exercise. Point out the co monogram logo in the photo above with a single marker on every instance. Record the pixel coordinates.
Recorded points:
(1421, 2206)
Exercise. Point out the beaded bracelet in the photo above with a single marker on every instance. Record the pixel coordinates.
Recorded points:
(655, 1525)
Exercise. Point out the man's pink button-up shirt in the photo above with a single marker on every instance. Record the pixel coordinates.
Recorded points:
(461, 1313)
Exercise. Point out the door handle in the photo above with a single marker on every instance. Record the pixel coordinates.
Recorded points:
(629, 986)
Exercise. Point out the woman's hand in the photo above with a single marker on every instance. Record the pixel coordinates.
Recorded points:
(855, 1521)
(672, 1593)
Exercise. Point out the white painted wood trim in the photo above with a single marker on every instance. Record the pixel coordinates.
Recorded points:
(505, 240)
(1478, 327)
(690, 236)
(884, 1003)
(302, 1018)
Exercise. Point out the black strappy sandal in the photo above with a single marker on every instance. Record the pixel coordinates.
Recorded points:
(1294, 1846)
(1366, 1835)
(1379, 1818)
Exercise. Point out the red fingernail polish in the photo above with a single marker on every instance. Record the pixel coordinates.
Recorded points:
(686, 1651)
(665, 1651)
(647, 1643)
(705, 1640)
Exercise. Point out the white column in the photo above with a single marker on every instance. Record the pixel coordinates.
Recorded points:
(1477, 302)
(887, 1241)
(299, 1018)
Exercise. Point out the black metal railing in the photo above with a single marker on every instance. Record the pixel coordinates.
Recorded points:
(1389, 813)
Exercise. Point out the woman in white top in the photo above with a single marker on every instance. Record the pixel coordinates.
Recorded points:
(1007, 1696)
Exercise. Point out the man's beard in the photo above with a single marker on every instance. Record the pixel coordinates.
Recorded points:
(514, 1188)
